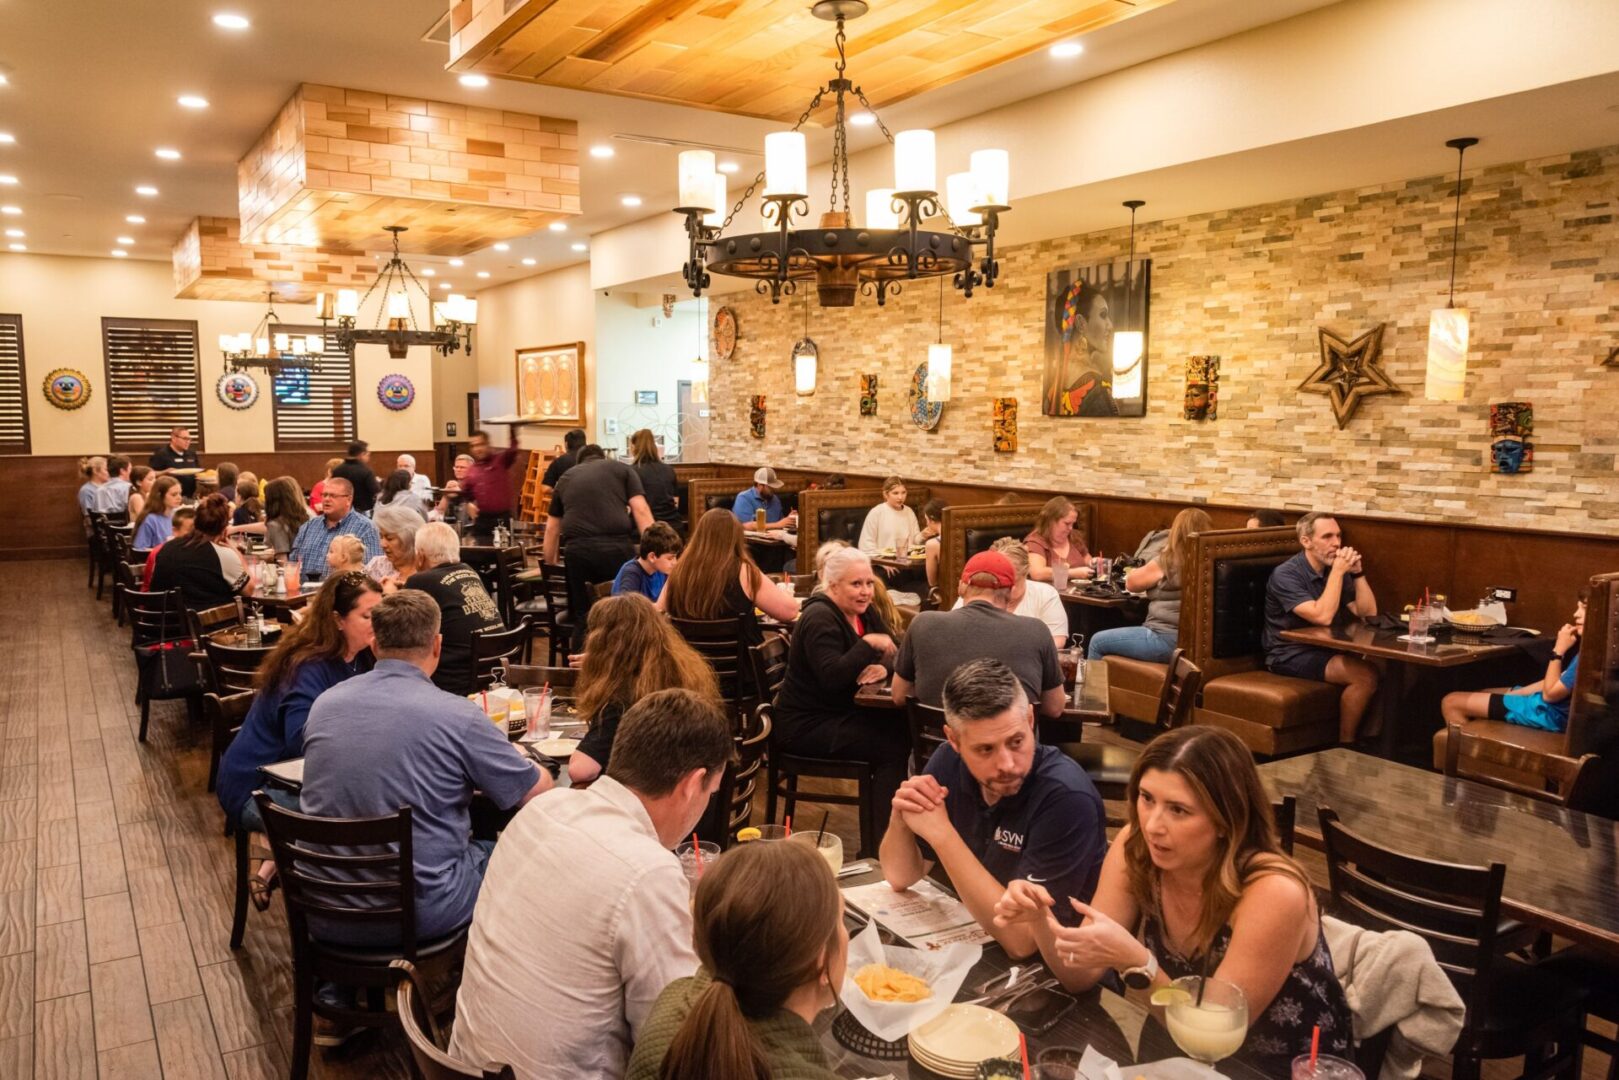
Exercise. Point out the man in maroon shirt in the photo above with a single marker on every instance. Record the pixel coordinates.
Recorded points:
(487, 486)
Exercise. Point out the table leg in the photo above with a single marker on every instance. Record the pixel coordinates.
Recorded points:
(1389, 693)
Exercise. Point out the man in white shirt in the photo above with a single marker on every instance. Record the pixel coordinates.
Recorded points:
(585, 916)
(1036, 599)
(419, 484)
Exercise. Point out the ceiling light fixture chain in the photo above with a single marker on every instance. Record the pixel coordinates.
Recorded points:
(452, 319)
(1460, 146)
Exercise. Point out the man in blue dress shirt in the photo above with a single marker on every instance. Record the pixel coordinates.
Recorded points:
(338, 518)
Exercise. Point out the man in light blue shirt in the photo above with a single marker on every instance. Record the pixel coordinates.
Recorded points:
(762, 495)
(338, 518)
(113, 498)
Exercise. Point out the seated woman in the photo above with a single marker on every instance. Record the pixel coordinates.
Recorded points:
(207, 571)
(284, 513)
(839, 645)
(182, 521)
(141, 479)
(647, 573)
(1160, 579)
(767, 926)
(1199, 870)
(1542, 704)
(716, 578)
(397, 492)
(630, 651)
(156, 522)
(1053, 542)
(345, 554)
(929, 537)
(890, 525)
(396, 529)
(330, 644)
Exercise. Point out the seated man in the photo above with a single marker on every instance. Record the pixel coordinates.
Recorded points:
(390, 738)
(1542, 705)
(762, 496)
(337, 517)
(993, 805)
(1321, 586)
(1035, 599)
(571, 1004)
(938, 642)
(646, 573)
(464, 604)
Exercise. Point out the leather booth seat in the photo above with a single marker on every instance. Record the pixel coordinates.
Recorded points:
(789, 500)
(1134, 687)
(982, 538)
(1273, 714)
(841, 523)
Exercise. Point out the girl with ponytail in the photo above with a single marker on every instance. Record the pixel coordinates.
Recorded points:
(767, 925)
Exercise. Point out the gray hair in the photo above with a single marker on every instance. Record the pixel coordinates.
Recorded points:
(437, 545)
(465, 457)
(399, 462)
(979, 690)
(401, 523)
(825, 550)
(1015, 553)
(405, 624)
(840, 562)
(1306, 524)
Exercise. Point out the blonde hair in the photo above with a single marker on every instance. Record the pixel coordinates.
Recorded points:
(1015, 553)
(345, 553)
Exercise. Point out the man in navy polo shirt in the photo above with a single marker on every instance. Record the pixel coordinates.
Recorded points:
(1321, 586)
(994, 805)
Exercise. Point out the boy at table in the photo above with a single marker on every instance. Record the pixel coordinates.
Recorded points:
(1542, 705)
(994, 805)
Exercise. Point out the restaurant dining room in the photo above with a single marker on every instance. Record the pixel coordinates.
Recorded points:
(809, 539)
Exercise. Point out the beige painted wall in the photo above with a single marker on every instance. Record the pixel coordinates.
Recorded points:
(62, 301)
(547, 309)
(1253, 285)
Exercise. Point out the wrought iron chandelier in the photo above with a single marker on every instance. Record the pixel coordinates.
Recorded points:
(453, 318)
(890, 247)
(273, 345)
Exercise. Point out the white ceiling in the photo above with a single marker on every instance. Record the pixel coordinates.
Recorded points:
(93, 87)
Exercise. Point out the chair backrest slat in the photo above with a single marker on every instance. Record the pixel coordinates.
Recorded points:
(719, 641)
(495, 649)
(769, 662)
(1181, 680)
(927, 723)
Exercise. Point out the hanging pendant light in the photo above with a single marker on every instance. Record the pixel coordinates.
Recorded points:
(699, 387)
(805, 359)
(939, 360)
(1128, 345)
(1448, 326)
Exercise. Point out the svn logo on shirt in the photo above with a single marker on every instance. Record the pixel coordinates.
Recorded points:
(1009, 840)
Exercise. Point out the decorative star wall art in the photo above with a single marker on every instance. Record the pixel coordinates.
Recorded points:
(1350, 371)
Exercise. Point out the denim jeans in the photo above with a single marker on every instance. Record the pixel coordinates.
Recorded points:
(248, 818)
(1135, 642)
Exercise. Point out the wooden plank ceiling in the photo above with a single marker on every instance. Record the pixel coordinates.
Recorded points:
(763, 58)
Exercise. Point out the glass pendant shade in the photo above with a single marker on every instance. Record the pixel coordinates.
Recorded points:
(227, 342)
(348, 303)
(398, 306)
(1128, 346)
(804, 368)
(263, 346)
(469, 311)
(325, 307)
(992, 169)
(314, 343)
(281, 343)
(298, 348)
(880, 213)
(785, 169)
(914, 161)
(960, 196)
(1447, 354)
(715, 218)
(696, 183)
(939, 365)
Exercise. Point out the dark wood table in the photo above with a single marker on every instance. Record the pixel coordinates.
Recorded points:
(1361, 639)
(772, 549)
(1087, 701)
(235, 637)
(1101, 1019)
(1089, 613)
(901, 563)
(290, 602)
(1562, 868)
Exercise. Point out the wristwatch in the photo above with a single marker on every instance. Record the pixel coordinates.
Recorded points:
(1559, 657)
(1139, 978)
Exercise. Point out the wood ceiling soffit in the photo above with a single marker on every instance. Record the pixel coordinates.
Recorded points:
(758, 57)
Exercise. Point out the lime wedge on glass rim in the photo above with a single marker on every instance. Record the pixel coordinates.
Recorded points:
(1170, 995)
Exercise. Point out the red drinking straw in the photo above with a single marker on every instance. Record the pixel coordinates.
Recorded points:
(1023, 1051)
(789, 826)
(1315, 1046)
(697, 850)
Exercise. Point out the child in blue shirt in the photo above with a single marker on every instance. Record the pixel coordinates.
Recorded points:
(646, 574)
(1542, 705)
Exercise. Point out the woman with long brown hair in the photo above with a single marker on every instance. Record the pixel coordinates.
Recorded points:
(657, 479)
(330, 644)
(1199, 874)
(284, 513)
(156, 523)
(630, 651)
(716, 578)
(1053, 541)
(1160, 578)
(767, 926)
(207, 570)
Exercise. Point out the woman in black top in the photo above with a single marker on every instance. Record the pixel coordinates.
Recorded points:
(657, 479)
(207, 571)
(839, 645)
(716, 578)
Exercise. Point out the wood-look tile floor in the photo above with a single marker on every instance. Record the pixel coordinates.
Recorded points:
(116, 881)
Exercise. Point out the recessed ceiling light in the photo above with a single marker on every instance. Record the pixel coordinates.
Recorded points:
(483, 273)
(558, 226)
(193, 101)
(862, 119)
(7, 178)
(445, 285)
(631, 200)
(228, 21)
(578, 247)
(10, 211)
(4, 81)
(18, 247)
(126, 239)
(601, 150)
(457, 262)
(503, 247)
(7, 138)
(530, 262)
(1065, 50)
(167, 153)
(728, 166)
(16, 234)
(146, 189)
(134, 219)
(119, 253)
(428, 271)
(474, 82)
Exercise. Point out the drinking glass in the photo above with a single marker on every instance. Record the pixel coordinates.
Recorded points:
(1059, 576)
(1060, 1062)
(772, 832)
(1421, 620)
(293, 568)
(830, 847)
(1210, 1030)
(537, 708)
(1070, 659)
(1326, 1067)
(689, 862)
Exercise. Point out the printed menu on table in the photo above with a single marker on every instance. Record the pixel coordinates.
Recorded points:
(924, 915)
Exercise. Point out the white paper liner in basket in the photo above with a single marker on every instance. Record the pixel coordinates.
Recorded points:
(944, 971)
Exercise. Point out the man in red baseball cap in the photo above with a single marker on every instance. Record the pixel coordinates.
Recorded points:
(984, 626)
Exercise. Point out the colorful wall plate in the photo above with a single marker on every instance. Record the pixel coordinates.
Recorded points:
(396, 392)
(237, 389)
(924, 413)
(67, 389)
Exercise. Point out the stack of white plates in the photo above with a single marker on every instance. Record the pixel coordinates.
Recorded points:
(955, 1041)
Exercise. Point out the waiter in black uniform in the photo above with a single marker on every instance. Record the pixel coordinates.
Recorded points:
(177, 455)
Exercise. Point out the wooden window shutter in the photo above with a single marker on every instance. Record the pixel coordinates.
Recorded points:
(314, 410)
(154, 382)
(13, 393)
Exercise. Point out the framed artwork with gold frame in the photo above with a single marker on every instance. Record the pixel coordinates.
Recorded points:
(550, 383)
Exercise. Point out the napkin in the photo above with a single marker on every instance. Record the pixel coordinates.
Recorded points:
(1095, 1066)
(944, 971)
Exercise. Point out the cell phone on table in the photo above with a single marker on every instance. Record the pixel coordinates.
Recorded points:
(1038, 1011)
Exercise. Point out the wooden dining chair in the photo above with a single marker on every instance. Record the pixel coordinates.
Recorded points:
(163, 664)
(352, 874)
(731, 808)
(493, 650)
(224, 713)
(719, 641)
(927, 732)
(1285, 812)
(1514, 1009)
(1569, 782)
(562, 680)
(551, 611)
(127, 577)
(428, 1044)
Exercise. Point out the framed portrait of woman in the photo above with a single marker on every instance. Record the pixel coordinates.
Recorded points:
(1097, 340)
(550, 382)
